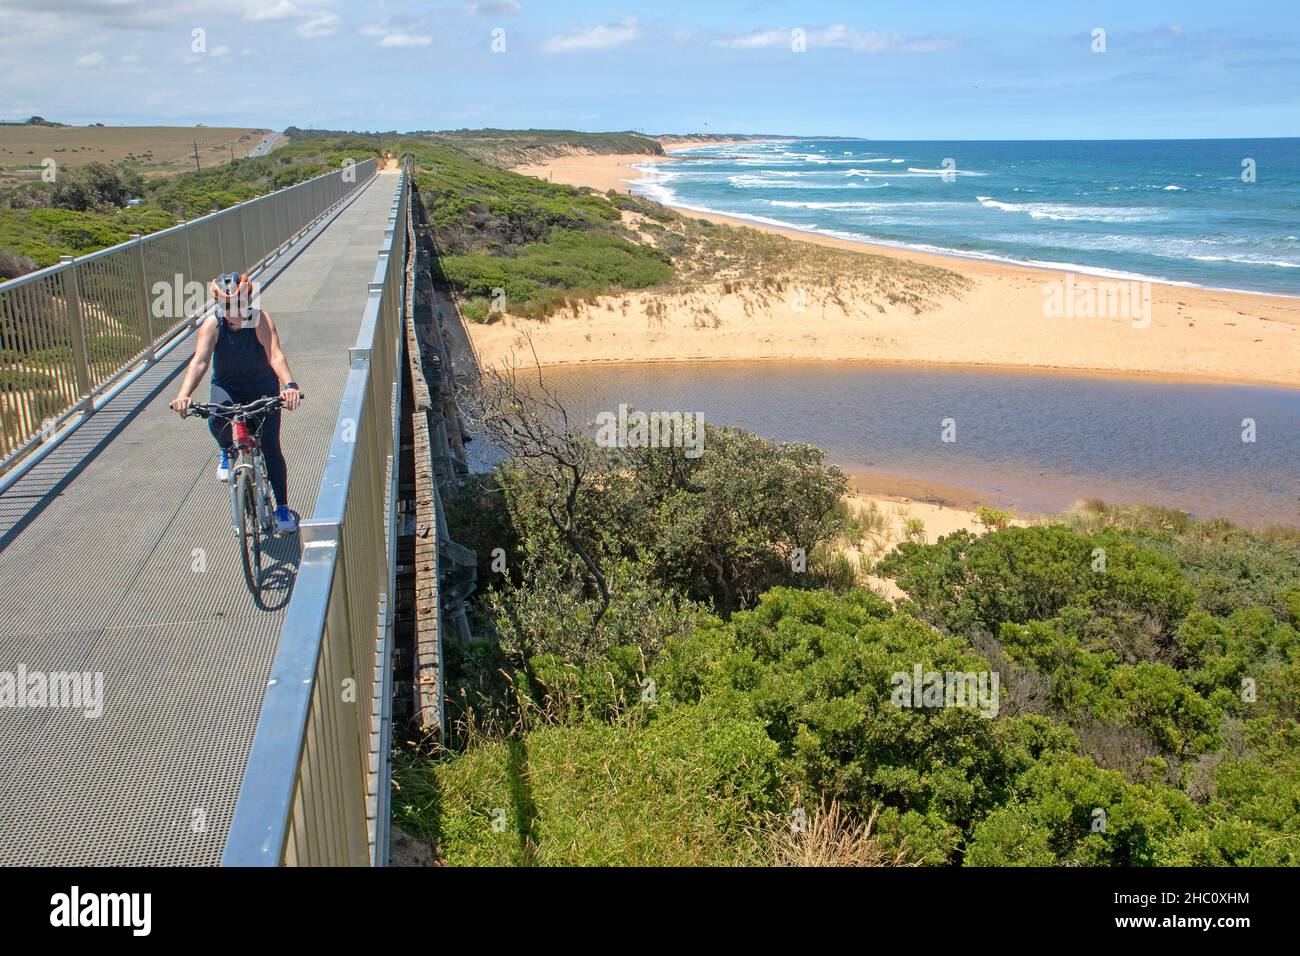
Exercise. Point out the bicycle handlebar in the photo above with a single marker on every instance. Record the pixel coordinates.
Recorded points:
(205, 409)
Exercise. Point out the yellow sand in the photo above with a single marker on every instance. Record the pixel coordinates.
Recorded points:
(937, 519)
(1193, 334)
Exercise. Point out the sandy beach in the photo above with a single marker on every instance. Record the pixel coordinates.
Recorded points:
(1000, 319)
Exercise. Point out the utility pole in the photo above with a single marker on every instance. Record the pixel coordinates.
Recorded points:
(197, 167)
(232, 151)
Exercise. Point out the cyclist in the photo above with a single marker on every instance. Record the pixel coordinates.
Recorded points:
(242, 346)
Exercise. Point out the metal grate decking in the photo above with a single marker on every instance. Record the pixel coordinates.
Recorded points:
(117, 556)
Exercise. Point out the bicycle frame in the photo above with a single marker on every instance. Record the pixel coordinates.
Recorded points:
(248, 457)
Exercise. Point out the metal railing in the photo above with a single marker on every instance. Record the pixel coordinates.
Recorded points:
(69, 332)
(315, 787)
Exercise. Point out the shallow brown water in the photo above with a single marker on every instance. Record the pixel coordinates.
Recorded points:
(1035, 442)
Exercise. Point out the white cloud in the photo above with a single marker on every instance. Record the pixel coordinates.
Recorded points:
(756, 40)
(90, 60)
(128, 58)
(838, 37)
(220, 52)
(493, 8)
(39, 17)
(404, 40)
(593, 38)
(397, 33)
(322, 25)
(279, 10)
(313, 22)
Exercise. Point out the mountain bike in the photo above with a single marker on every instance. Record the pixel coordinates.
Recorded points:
(252, 508)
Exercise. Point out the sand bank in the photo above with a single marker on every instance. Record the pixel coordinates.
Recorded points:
(1000, 320)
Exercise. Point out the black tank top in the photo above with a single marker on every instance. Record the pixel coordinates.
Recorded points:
(239, 362)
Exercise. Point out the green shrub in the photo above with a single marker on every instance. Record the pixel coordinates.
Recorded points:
(1016, 575)
(1067, 811)
(676, 790)
(476, 310)
(95, 186)
(819, 671)
(542, 277)
(1137, 763)
(994, 519)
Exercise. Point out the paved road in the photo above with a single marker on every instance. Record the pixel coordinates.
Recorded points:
(264, 147)
(117, 558)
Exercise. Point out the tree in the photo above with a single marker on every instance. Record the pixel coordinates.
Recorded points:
(13, 265)
(739, 519)
(95, 186)
(551, 468)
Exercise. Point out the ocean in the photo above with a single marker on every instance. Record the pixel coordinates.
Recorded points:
(1179, 211)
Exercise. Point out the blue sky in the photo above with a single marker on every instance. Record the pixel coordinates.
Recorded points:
(910, 70)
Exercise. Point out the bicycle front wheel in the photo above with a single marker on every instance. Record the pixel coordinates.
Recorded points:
(250, 531)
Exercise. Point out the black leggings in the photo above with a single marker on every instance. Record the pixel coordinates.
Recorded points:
(277, 472)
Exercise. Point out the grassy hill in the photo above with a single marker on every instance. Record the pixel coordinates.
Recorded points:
(153, 151)
(544, 244)
(504, 148)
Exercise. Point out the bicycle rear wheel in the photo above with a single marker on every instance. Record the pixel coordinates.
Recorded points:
(268, 499)
(250, 532)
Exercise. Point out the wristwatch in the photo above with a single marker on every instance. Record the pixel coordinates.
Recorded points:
(288, 385)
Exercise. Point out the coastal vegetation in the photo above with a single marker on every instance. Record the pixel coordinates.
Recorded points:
(504, 148)
(531, 248)
(672, 669)
(542, 245)
(83, 209)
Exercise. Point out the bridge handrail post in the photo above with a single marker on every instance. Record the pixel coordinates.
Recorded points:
(77, 332)
(142, 296)
(221, 242)
(240, 222)
(189, 255)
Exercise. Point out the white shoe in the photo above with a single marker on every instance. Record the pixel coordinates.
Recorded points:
(223, 466)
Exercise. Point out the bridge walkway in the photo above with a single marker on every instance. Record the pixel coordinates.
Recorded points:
(117, 558)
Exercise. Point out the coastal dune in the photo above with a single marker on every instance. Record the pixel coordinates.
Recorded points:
(995, 315)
